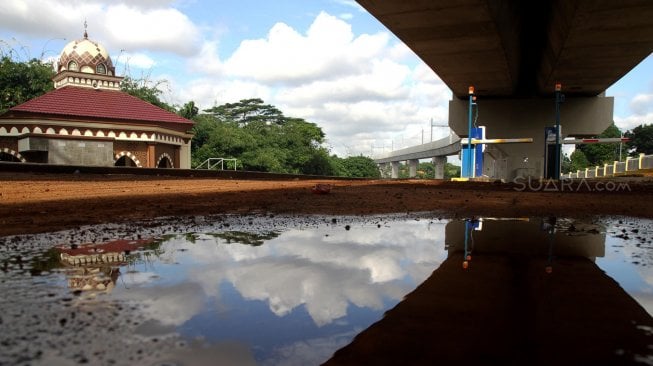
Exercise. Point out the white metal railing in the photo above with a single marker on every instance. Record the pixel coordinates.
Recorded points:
(632, 164)
(212, 163)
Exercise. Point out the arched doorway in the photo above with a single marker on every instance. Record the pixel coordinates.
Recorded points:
(8, 157)
(11, 156)
(164, 162)
(125, 161)
(125, 158)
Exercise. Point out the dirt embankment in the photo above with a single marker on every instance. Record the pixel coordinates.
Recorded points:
(32, 203)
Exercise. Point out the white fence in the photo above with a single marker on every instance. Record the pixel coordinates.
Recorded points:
(213, 163)
(633, 164)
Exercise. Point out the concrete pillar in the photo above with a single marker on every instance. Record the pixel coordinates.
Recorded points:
(412, 168)
(184, 156)
(395, 169)
(439, 163)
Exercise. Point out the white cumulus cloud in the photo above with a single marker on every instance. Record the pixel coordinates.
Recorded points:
(641, 107)
(134, 26)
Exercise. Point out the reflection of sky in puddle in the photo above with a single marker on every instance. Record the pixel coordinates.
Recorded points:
(293, 297)
(629, 259)
(320, 284)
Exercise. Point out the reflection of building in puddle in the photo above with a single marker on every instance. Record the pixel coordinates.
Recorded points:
(95, 267)
(548, 237)
(93, 278)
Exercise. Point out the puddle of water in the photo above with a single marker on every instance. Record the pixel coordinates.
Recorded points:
(260, 290)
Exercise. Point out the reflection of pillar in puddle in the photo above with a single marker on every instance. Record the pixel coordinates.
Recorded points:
(549, 225)
(470, 225)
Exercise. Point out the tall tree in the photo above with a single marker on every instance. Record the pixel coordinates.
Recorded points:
(598, 154)
(247, 111)
(578, 161)
(189, 110)
(22, 81)
(641, 140)
(360, 167)
(261, 138)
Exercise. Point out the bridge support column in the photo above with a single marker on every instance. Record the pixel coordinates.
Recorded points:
(395, 170)
(412, 168)
(439, 163)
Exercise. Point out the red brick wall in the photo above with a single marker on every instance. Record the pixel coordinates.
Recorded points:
(10, 143)
(138, 149)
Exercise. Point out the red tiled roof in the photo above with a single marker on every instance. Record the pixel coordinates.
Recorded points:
(98, 103)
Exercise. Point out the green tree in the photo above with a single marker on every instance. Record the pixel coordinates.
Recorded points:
(641, 140)
(451, 171)
(598, 154)
(261, 138)
(189, 110)
(247, 111)
(22, 81)
(577, 161)
(358, 167)
(140, 89)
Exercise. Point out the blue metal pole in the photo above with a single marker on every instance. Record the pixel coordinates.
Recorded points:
(470, 163)
(556, 174)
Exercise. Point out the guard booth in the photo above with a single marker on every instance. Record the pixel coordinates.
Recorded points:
(478, 133)
(551, 150)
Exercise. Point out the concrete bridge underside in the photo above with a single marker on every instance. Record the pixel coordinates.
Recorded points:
(514, 52)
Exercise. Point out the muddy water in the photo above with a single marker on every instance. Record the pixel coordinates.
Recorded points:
(261, 290)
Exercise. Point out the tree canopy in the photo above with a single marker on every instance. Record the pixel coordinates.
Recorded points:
(22, 81)
(248, 111)
(599, 154)
(641, 140)
(262, 138)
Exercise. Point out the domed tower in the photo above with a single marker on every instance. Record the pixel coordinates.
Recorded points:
(86, 63)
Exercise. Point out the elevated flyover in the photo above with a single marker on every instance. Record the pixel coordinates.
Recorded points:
(437, 150)
(514, 52)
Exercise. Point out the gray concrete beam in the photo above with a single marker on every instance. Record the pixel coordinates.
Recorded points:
(443, 147)
(515, 48)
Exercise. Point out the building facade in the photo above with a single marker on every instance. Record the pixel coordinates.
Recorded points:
(88, 120)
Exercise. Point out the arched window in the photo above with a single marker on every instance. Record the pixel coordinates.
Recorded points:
(72, 66)
(101, 69)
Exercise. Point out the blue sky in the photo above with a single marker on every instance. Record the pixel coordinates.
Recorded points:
(327, 61)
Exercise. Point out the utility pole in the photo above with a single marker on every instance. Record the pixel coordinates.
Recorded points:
(559, 98)
(620, 145)
(470, 164)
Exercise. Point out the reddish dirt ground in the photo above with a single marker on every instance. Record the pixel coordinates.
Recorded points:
(32, 203)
